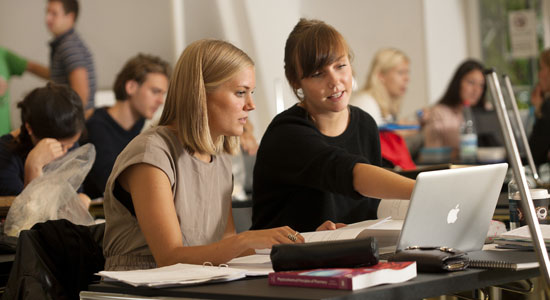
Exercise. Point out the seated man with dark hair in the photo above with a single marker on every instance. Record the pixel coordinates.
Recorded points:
(139, 89)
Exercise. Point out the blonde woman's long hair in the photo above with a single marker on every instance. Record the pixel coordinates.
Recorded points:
(384, 60)
(202, 67)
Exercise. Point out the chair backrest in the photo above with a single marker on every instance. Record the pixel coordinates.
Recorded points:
(55, 260)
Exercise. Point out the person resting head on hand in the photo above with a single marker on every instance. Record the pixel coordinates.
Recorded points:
(52, 120)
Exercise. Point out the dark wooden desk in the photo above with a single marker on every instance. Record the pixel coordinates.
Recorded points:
(5, 203)
(424, 285)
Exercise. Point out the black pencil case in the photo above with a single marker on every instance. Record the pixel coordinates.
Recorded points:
(434, 259)
(332, 254)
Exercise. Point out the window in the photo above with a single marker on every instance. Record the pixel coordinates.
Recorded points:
(496, 45)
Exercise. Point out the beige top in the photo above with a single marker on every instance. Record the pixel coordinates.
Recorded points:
(442, 127)
(366, 102)
(202, 197)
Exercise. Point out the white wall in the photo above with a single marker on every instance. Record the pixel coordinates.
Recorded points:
(431, 32)
(371, 25)
(446, 43)
(271, 22)
(22, 30)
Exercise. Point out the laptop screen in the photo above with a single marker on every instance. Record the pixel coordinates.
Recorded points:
(452, 208)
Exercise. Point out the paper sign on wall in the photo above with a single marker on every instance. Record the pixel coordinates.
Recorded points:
(523, 33)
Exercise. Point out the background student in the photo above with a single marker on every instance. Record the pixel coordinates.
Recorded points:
(386, 84)
(539, 141)
(139, 88)
(168, 199)
(442, 122)
(12, 64)
(52, 120)
(319, 160)
(71, 62)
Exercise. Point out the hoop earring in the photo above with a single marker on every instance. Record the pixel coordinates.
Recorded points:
(300, 93)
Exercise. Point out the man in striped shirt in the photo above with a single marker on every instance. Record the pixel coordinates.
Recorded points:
(71, 62)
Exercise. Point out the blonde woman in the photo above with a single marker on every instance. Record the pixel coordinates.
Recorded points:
(168, 199)
(386, 84)
(381, 97)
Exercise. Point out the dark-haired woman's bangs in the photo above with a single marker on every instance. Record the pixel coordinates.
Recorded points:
(65, 124)
(320, 50)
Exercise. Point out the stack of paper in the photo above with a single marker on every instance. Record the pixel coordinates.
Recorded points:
(386, 231)
(174, 275)
(521, 237)
(253, 265)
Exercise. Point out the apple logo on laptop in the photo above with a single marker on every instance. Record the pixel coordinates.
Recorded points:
(453, 215)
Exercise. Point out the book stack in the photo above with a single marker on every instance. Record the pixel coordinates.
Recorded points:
(347, 278)
(520, 238)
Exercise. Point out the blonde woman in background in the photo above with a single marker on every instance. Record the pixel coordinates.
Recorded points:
(386, 84)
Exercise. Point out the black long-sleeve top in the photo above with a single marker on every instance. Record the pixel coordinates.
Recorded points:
(303, 178)
(12, 167)
(539, 141)
(109, 139)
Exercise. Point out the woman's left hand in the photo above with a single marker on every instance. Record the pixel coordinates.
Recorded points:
(329, 225)
(85, 200)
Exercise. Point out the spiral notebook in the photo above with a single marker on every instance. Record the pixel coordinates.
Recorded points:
(512, 260)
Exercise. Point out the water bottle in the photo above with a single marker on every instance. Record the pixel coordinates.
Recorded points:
(468, 137)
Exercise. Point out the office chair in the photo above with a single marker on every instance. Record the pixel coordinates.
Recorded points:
(55, 260)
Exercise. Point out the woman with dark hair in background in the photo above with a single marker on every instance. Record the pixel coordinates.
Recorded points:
(442, 122)
(320, 159)
(52, 120)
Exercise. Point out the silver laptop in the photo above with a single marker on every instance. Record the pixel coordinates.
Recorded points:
(452, 208)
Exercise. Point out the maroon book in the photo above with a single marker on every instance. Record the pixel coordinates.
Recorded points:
(347, 278)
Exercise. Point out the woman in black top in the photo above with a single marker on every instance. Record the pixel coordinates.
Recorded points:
(319, 160)
(539, 141)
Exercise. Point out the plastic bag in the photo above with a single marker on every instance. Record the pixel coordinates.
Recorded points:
(53, 195)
